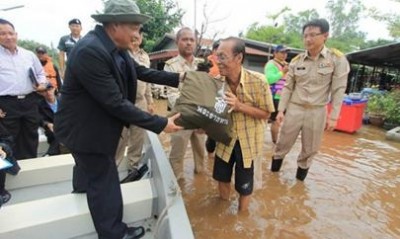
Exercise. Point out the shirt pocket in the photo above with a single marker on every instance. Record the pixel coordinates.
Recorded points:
(301, 74)
(324, 74)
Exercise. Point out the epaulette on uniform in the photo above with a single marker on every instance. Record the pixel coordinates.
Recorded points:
(171, 61)
(336, 52)
(198, 60)
(296, 58)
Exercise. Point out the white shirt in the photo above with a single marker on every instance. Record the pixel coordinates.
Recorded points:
(14, 71)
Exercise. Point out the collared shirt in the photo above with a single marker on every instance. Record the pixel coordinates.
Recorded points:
(315, 82)
(53, 106)
(252, 90)
(143, 93)
(66, 43)
(178, 64)
(14, 71)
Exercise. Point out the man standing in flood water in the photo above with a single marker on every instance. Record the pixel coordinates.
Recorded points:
(315, 77)
(250, 100)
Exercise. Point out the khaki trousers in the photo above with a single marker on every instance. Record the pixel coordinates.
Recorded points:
(131, 143)
(311, 122)
(179, 144)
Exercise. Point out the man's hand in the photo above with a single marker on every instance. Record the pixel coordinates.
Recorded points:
(285, 69)
(171, 126)
(3, 154)
(2, 113)
(280, 117)
(50, 126)
(150, 108)
(331, 125)
(40, 87)
(232, 101)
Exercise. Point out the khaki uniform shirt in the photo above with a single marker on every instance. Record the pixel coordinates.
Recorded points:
(316, 82)
(143, 94)
(178, 64)
(254, 91)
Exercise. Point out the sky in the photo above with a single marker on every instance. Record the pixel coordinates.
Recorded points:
(45, 21)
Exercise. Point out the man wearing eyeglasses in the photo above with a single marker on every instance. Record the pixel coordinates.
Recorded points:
(315, 77)
(250, 102)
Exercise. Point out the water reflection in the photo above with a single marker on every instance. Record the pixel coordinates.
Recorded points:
(352, 191)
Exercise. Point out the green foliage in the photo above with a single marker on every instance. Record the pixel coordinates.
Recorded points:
(295, 22)
(31, 45)
(376, 104)
(344, 16)
(392, 20)
(375, 43)
(165, 17)
(392, 107)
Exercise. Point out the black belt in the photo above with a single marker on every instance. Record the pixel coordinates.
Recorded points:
(17, 97)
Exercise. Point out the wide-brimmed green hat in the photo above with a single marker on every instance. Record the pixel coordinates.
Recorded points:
(121, 11)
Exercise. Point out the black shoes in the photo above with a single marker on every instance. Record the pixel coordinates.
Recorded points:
(134, 233)
(301, 173)
(135, 174)
(5, 196)
(276, 164)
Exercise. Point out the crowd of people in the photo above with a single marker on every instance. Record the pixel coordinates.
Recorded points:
(98, 103)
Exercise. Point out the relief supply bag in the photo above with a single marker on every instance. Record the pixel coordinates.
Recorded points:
(202, 105)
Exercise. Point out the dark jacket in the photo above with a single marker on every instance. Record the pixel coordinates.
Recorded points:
(46, 115)
(97, 101)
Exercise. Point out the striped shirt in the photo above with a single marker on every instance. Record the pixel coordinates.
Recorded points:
(14, 71)
(254, 91)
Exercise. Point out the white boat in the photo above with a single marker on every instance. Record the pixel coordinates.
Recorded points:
(42, 206)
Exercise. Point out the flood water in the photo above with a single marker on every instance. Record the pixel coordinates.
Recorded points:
(352, 191)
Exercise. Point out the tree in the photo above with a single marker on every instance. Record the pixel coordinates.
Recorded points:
(392, 20)
(32, 45)
(165, 17)
(295, 22)
(344, 16)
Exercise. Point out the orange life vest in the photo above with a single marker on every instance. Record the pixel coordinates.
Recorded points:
(51, 74)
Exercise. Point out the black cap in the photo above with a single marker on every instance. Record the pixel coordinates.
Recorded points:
(75, 21)
(40, 49)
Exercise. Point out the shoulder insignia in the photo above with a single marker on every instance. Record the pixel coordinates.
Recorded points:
(296, 58)
(198, 60)
(336, 52)
(171, 61)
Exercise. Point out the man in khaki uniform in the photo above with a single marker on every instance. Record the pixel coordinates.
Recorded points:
(185, 61)
(133, 137)
(315, 77)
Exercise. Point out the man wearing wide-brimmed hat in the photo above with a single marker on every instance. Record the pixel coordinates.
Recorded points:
(98, 98)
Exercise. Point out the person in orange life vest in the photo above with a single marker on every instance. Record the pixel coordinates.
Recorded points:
(52, 73)
(275, 72)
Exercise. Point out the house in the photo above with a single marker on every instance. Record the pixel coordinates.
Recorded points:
(256, 52)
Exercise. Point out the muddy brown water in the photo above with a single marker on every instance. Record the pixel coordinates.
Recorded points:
(352, 191)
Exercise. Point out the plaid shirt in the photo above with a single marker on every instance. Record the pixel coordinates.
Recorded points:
(254, 91)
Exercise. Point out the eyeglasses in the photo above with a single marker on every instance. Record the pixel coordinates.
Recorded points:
(224, 58)
(312, 35)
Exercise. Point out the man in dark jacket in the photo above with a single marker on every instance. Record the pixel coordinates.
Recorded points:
(97, 100)
(48, 106)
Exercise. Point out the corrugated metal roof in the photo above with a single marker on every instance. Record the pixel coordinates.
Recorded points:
(386, 55)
